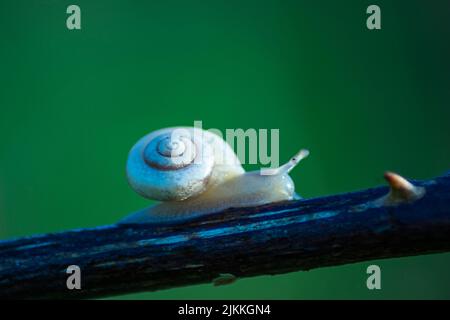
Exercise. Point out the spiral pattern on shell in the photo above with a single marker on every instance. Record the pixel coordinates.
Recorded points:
(170, 164)
(171, 151)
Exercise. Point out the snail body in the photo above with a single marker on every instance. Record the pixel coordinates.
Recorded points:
(194, 172)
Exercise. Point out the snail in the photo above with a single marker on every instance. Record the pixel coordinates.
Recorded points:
(193, 172)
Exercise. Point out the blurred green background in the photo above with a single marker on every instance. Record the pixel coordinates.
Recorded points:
(72, 103)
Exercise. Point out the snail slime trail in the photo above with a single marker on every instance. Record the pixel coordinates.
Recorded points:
(194, 172)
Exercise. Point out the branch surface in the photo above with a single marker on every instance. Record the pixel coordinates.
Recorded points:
(245, 242)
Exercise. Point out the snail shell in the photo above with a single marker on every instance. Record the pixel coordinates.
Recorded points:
(194, 172)
(179, 163)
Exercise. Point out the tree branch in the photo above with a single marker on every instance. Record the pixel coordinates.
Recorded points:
(272, 239)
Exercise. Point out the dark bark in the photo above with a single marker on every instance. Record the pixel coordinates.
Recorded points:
(272, 239)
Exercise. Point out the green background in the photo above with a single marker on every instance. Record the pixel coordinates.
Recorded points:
(72, 103)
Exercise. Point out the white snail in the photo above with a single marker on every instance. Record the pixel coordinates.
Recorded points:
(194, 172)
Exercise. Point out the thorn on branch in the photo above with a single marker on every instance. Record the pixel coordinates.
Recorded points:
(402, 191)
